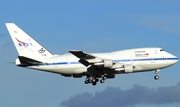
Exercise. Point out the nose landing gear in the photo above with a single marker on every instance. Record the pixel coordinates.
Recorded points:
(156, 77)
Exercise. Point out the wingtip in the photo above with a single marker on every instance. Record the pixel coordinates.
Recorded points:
(74, 51)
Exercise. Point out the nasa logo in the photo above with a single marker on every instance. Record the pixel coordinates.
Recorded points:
(24, 44)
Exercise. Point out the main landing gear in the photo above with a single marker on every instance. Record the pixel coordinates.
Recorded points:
(103, 78)
(156, 77)
(94, 80)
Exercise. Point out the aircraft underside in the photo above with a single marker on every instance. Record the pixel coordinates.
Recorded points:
(99, 74)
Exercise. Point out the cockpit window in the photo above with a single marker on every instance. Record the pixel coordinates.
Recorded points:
(161, 49)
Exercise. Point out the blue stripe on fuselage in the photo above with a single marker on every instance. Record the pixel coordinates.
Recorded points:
(119, 60)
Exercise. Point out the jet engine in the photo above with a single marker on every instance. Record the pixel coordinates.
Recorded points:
(107, 63)
(125, 69)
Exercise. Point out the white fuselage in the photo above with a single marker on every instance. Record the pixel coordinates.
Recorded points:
(96, 65)
(143, 59)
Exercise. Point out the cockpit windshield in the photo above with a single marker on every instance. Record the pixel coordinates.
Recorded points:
(161, 49)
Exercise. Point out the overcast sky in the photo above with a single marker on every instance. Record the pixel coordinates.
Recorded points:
(91, 26)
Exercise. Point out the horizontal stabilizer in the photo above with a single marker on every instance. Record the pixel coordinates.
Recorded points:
(26, 60)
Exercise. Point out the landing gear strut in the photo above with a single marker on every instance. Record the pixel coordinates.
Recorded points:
(94, 81)
(156, 77)
(103, 79)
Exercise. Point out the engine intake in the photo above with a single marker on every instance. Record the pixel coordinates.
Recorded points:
(128, 68)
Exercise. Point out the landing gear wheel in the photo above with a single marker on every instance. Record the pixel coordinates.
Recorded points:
(93, 80)
(102, 81)
(86, 82)
(94, 83)
(156, 77)
(97, 80)
(103, 78)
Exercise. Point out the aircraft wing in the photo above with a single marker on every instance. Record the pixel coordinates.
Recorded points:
(94, 63)
(82, 55)
(88, 59)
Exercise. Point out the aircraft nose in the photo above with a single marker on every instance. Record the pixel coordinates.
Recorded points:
(173, 60)
(177, 59)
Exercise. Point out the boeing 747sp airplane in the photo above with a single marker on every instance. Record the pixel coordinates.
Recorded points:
(92, 65)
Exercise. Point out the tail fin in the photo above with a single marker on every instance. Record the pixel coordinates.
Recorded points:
(25, 45)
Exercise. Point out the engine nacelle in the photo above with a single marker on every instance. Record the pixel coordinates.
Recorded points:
(125, 69)
(107, 63)
(128, 68)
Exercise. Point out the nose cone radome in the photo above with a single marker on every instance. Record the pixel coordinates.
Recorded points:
(173, 59)
(176, 59)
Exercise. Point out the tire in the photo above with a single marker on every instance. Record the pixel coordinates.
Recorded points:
(156, 77)
(102, 81)
(86, 82)
(94, 83)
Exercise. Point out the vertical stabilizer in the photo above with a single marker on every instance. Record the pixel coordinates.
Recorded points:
(25, 45)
